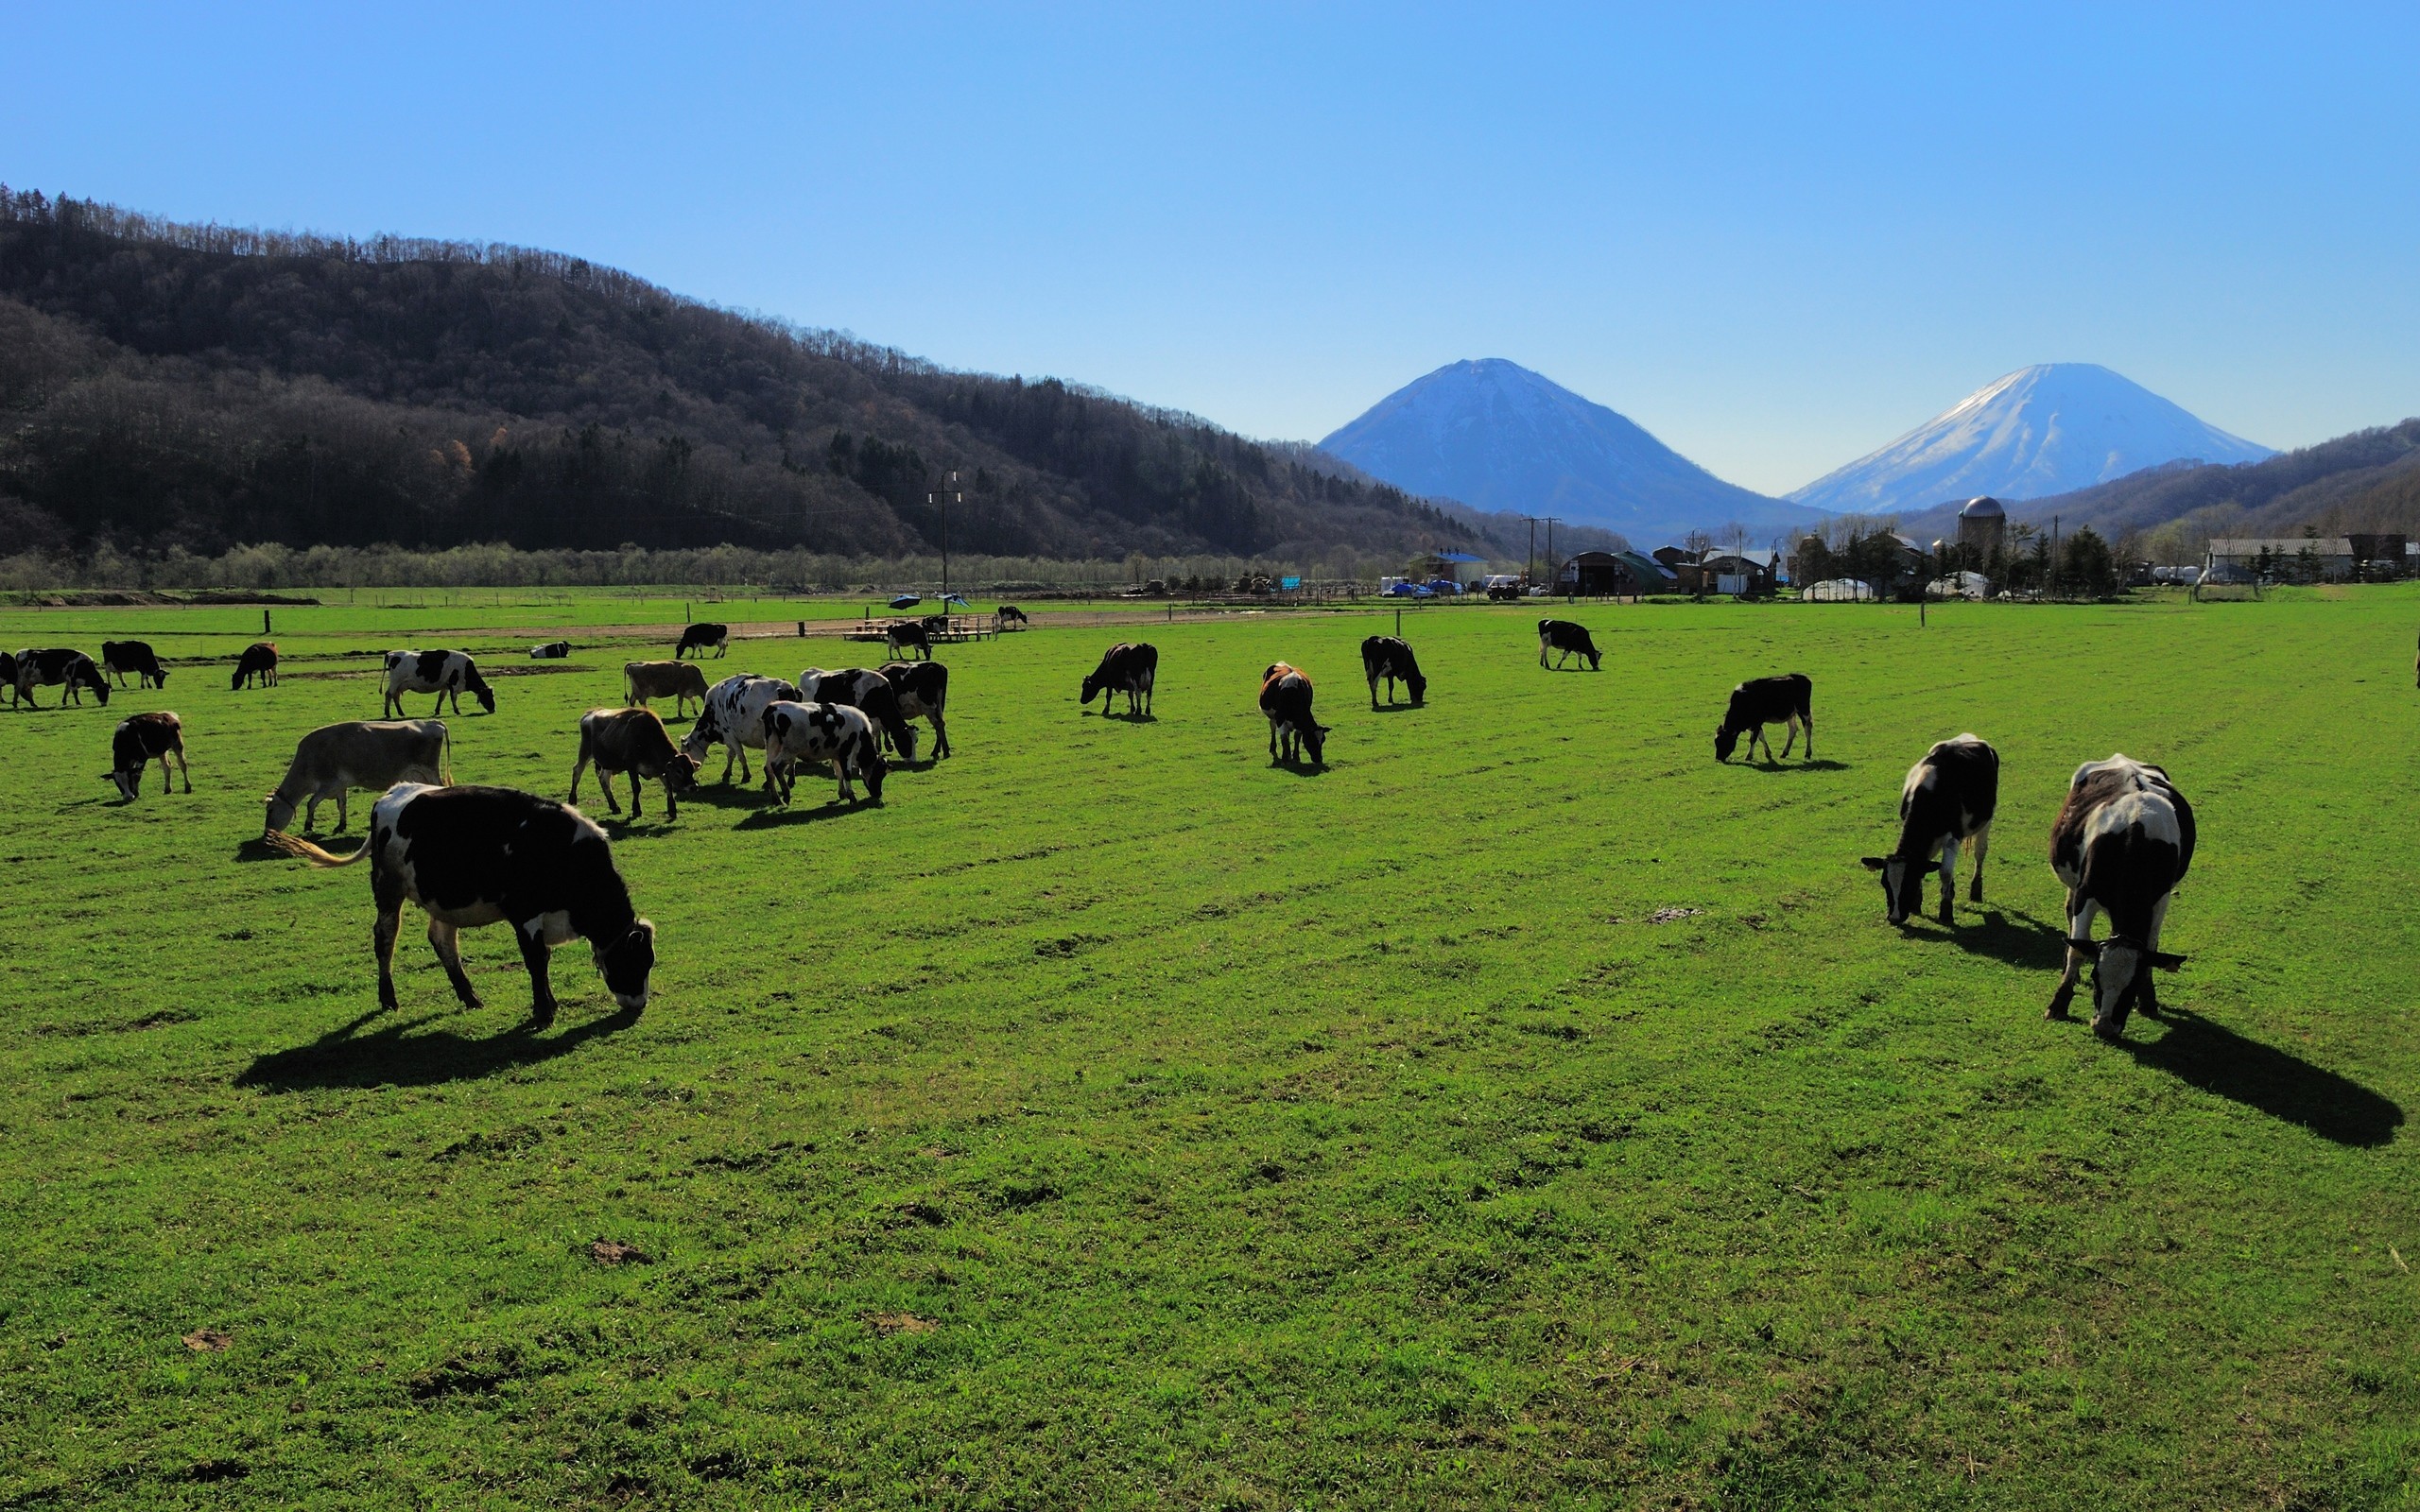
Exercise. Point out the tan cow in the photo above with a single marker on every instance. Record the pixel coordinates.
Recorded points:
(677, 680)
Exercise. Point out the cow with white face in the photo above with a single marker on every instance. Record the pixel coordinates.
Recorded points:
(1948, 800)
(447, 673)
(821, 735)
(733, 718)
(470, 856)
(2122, 841)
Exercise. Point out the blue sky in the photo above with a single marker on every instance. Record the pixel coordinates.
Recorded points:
(1776, 236)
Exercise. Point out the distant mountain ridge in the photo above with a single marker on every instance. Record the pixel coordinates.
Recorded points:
(2048, 429)
(1498, 436)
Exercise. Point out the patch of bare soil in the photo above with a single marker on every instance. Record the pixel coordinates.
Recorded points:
(889, 1323)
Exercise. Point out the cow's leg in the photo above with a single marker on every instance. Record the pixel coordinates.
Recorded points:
(1807, 718)
(580, 767)
(1948, 879)
(444, 939)
(1272, 740)
(2149, 1001)
(1789, 740)
(535, 956)
(941, 737)
(345, 815)
(2079, 916)
(389, 897)
(634, 791)
(1373, 691)
(671, 804)
(1983, 847)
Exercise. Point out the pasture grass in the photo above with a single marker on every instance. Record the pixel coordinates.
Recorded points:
(1523, 1110)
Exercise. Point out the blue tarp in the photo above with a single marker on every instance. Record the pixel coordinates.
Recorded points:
(907, 601)
(1289, 582)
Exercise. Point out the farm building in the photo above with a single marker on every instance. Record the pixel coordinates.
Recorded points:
(1607, 573)
(2306, 559)
(1982, 525)
(1748, 574)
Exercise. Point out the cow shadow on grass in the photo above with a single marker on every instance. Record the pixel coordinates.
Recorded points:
(805, 814)
(2022, 941)
(2275, 1082)
(1396, 708)
(1126, 719)
(395, 1056)
(731, 795)
(1778, 765)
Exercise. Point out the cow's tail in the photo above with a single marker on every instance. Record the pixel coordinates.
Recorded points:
(284, 844)
(445, 759)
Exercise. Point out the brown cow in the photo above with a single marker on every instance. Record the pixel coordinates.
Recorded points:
(633, 741)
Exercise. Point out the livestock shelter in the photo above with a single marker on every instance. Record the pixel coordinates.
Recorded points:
(2293, 559)
(1745, 574)
(1838, 590)
(1608, 575)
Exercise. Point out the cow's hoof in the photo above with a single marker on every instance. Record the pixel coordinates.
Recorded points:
(2058, 1009)
(2111, 1032)
(1946, 917)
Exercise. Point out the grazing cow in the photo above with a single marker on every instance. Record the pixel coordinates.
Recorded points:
(698, 637)
(1286, 698)
(259, 661)
(118, 658)
(55, 666)
(332, 760)
(1384, 656)
(1566, 637)
(9, 674)
(141, 740)
(551, 651)
(633, 741)
(2121, 842)
(818, 735)
(922, 688)
(484, 855)
(899, 637)
(1008, 612)
(1788, 698)
(734, 716)
(1948, 800)
(446, 674)
(677, 680)
(860, 688)
(1128, 669)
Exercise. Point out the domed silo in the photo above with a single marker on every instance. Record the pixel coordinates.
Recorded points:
(1983, 525)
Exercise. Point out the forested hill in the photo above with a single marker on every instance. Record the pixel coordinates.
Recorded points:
(196, 386)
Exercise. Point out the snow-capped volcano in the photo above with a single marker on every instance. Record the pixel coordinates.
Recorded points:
(2039, 431)
(1496, 436)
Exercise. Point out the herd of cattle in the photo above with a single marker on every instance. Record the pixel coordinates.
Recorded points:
(471, 855)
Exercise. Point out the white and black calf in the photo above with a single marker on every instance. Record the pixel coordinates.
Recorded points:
(821, 735)
(864, 689)
(1285, 699)
(142, 740)
(1128, 669)
(732, 716)
(1788, 700)
(898, 639)
(55, 667)
(332, 760)
(2122, 843)
(258, 664)
(1947, 801)
(551, 651)
(698, 637)
(1384, 656)
(633, 741)
(470, 856)
(1009, 613)
(118, 658)
(1568, 638)
(922, 691)
(447, 673)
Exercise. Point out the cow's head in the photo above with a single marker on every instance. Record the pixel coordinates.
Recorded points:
(2121, 969)
(129, 780)
(1315, 741)
(478, 687)
(871, 768)
(1419, 686)
(703, 731)
(1094, 682)
(1726, 740)
(626, 963)
(1903, 886)
(236, 682)
(161, 676)
(903, 735)
(680, 773)
(281, 813)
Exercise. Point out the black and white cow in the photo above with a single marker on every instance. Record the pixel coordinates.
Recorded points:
(698, 637)
(118, 658)
(732, 716)
(821, 734)
(864, 689)
(8, 674)
(551, 651)
(488, 855)
(1384, 656)
(1128, 669)
(633, 741)
(1566, 637)
(1947, 801)
(923, 690)
(142, 740)
(1286, 698)
(1010, 614)
(1788, 698)
(332, 760)
(258, 663)
(899, 638)
(447, 673)
(55, 666)
(2122, 843)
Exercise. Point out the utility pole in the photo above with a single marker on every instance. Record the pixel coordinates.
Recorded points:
(942, 502)
(1529, 564)
(1549, 524)
(2053, 573)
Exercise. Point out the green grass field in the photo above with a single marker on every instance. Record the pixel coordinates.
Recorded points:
(1524, 1109)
